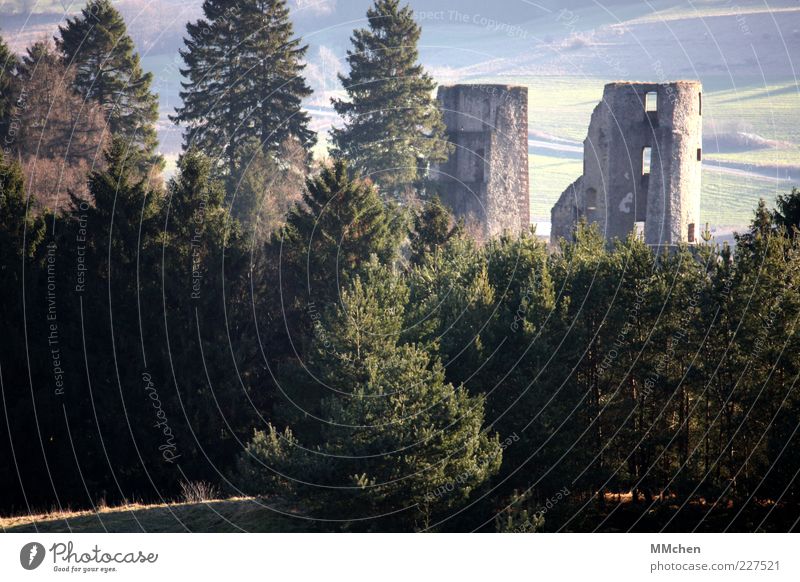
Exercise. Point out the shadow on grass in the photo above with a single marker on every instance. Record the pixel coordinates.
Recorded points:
(233, 515)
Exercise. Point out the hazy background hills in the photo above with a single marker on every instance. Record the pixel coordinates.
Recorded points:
(746, 53)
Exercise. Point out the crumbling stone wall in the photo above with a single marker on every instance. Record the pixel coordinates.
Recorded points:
(614, 191)
(485, 180)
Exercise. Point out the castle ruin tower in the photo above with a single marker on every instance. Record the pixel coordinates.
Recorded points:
(485, 180)
(641, 165)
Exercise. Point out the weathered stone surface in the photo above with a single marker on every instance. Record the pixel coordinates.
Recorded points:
(485, 181)
(614, 191)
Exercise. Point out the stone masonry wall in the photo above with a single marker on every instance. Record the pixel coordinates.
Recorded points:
(613, 191)
(485, 181)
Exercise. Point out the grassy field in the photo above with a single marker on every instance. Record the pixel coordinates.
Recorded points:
(219, 516)
(727, 199)
(787, 158)
(250, 515)
(550, 176)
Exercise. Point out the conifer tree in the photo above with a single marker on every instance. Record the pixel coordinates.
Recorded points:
(326, 242)
(21, 231)
(433, 227)
(762, 226)
(107, 69)
(244, 73)
(8, 85)
(332, 235)
(392, 127)
(398, 441)
(787, 211)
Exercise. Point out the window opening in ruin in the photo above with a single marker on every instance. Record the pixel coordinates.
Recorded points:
(479, 163)
(651, 102)
(638, 228)
(699, 154)
(700, 101)
(691, 232)
(646, 153)
(591, 199)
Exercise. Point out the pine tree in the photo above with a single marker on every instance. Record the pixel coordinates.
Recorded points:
(452, 300)
(762, 227)
(245, 80)
(397, 440)
(9, 90)
(326, 242)
(332, 235)
(107, 69)
(787, 211)
(124, 210)
(433, 227)
(21, 231)
(392, 127)
(205, 255)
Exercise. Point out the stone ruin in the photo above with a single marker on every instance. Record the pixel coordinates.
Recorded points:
(485, 180)
(641, 165)
(641, 162)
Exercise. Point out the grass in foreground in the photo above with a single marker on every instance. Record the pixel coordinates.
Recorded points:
(216, 516)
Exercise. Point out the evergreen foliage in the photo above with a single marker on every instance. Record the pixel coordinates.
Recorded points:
(398, 444)
(393, 129)
(96, 44)
(244, 70)
(9, 87)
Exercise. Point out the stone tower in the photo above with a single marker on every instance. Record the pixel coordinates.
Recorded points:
(485, 181)
(641, 165)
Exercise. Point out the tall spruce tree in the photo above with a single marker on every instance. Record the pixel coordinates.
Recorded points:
(392, 127)
(244, 74)
(107, 69)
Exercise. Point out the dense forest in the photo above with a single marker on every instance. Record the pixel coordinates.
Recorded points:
(324, 335)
